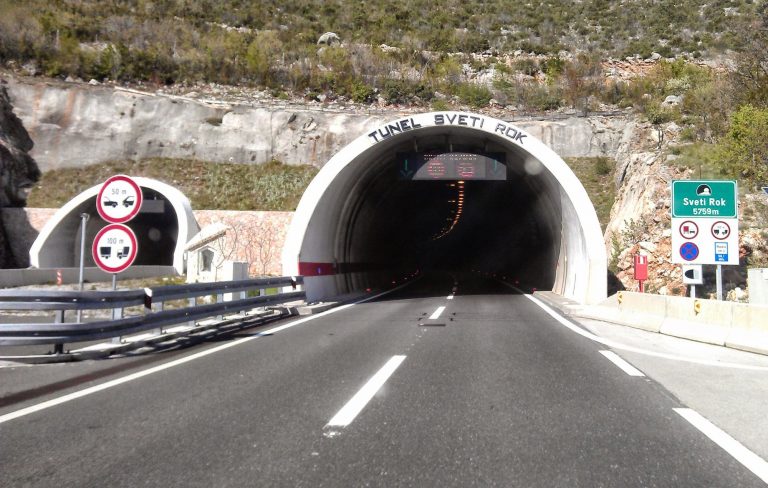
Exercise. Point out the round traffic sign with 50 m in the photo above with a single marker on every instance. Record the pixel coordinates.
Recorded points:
(119, 199)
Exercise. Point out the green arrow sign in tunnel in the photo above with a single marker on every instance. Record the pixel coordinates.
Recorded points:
(450, 191)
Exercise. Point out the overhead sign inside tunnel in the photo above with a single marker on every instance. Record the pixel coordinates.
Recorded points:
(451, 166)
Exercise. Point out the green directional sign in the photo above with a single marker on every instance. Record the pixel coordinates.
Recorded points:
(715, 199)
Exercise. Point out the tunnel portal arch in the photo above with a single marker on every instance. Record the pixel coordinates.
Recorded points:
(163, 226)
(360, 223)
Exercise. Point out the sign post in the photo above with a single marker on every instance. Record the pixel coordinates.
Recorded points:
(84, 220)
(705, 224)
(115, 246)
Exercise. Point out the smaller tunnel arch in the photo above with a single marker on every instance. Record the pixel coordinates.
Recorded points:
(358, 223)
(163, 226)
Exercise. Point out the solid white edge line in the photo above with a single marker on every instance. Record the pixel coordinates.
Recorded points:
(749, 459)
(621, 363)
(617, 345)
(436, 314)
(140, 374)
(355, 405)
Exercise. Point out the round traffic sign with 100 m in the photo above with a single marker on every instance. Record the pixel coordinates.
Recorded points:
(115, 248)
(119, 199)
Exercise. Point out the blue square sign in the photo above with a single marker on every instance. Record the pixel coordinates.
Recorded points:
(721, 252)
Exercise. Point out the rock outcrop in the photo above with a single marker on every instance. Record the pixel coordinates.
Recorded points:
(74, 124)
(18, 171)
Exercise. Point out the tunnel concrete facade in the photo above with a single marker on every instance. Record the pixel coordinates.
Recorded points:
(334, 242)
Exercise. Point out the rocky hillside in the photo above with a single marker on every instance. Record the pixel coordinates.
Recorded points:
(18, 171)
(640, 220)
(76, 124)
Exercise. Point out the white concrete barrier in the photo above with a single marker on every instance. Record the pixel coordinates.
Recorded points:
(33, 276)
(699, 320)
(736, 325)
(642, 310)
(750, 328)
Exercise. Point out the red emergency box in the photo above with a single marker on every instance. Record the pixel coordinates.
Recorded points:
(641, 267)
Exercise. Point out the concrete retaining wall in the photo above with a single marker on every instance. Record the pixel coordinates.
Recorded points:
(33, 276)
(736, 325)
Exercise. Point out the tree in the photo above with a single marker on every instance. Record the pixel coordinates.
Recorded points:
(743, 151)
(751, 75)
(581, 79)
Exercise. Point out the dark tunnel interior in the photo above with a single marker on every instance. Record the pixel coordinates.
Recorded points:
(510, 228)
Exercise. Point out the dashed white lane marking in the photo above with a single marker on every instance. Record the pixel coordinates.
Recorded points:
(749, 459)
(623, 365)
(355, 405)
(125, 379)
(436, 313)
(449, 297)
(617, 345)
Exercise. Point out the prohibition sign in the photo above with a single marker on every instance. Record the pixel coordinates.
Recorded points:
(114, 248)
(119, 199)
(721, 230)
(689, 229)
(689, 251)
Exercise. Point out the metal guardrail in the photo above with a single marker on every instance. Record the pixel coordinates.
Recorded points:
(64, 332)
(69, 300)
(160, 294)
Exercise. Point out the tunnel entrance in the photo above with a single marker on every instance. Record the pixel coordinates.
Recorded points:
(447, 191)
(163, 226)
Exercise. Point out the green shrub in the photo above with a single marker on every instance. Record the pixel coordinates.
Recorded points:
(362, 93)
(474, 95)
(526, 66)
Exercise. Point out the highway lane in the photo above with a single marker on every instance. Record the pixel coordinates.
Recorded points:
(498, 395)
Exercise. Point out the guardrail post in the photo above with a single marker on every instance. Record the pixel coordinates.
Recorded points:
(59, 348)
(160, 308)
(117, 314)
(191, 301)
(219, 299)
(148, 303)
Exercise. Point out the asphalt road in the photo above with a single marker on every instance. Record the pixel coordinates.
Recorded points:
(492, 392)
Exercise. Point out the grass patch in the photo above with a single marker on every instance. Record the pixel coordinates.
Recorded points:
(210, 186)
(596, 174)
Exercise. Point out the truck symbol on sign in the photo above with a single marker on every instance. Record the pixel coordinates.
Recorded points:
(124, 252)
